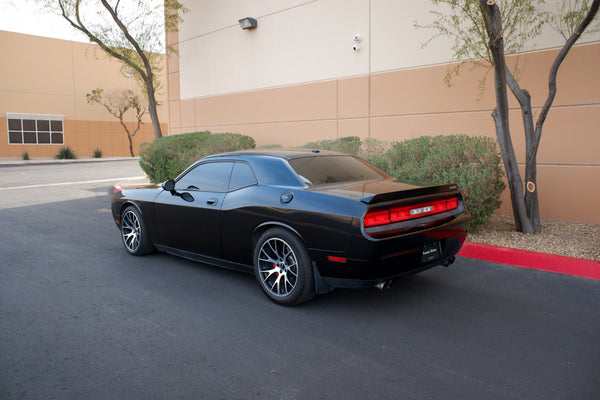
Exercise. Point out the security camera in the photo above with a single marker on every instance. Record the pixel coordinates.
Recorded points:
(355, 48)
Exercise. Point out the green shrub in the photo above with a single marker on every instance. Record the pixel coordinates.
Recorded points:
(273, 146)
(473, 163)
(65, 153)
(25, 156)
(97, 153)
(347, 144)
(167, 157)
(374, 151)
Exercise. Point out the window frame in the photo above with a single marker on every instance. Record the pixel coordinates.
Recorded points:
(230, 189)
(36, 118)
(191, 169)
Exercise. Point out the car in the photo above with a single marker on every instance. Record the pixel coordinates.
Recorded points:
(302, 221)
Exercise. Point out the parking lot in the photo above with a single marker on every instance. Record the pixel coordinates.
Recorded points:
(80, 318)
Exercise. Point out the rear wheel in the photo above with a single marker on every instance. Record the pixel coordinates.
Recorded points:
(283, 268)
(134, 233)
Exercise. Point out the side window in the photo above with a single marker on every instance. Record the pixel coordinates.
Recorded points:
(209, 177)
(242, 176)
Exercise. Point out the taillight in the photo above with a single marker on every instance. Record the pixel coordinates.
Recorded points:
(396, 214)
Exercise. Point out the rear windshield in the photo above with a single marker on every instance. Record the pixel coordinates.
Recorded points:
(334, 169)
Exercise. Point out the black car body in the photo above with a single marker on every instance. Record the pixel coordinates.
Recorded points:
(340, 221)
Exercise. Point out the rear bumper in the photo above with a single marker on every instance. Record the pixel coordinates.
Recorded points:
(368, 262)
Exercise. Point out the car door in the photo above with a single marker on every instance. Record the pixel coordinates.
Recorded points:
(189, 218)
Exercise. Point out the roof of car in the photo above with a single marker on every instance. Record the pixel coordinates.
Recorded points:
(286, 154)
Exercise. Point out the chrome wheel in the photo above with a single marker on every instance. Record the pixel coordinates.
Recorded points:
(277, 267)
(131, 231)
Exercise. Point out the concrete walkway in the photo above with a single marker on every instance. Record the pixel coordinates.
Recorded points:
(12, 161)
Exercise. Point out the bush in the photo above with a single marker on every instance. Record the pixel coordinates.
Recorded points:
(374, 151)
(65, 153)
(371, 150)
(97, 153)
(167, 157)
(473, 163)
(347, 144)
(25, 156)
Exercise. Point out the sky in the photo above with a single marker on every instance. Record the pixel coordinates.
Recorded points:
(27, 16)
(24, 16)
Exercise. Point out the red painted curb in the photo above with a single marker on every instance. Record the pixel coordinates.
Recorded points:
(530, 259)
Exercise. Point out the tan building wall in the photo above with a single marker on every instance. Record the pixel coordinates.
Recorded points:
(51, 76)
(390, 90)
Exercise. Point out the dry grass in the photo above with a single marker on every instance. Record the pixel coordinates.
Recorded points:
(562, 238)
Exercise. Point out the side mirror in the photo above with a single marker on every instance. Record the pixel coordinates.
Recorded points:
(169, 186)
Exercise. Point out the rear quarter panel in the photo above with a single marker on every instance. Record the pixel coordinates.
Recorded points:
(321, 221)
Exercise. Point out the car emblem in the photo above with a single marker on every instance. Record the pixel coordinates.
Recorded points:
(416, 211)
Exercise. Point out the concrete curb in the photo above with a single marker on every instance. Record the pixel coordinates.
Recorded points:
(529, 259)
(51, 161)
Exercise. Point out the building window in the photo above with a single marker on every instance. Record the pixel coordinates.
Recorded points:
(35, 129)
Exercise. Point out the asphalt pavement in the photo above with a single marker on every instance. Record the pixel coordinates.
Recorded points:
(80, 318)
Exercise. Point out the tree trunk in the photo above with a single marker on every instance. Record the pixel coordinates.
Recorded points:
(531, 194)
(130, 145)
(534, 136)
(152, 108)
(493, 23)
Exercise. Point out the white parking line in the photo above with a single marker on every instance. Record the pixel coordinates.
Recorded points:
(42, 185)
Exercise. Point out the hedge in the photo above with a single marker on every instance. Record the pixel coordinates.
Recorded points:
(167, 157)
(473, 163)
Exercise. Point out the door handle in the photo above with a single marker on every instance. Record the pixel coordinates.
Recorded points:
(211, 202)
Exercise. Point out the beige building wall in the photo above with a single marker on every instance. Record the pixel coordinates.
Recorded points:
(50, 76)
(296, 79)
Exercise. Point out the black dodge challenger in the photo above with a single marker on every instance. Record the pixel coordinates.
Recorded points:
(304, 222)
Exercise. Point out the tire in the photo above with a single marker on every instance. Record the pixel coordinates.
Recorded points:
(134, 234)
(283, 267)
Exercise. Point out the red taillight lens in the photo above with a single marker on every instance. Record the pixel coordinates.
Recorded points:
(377, 218)
(403, 213)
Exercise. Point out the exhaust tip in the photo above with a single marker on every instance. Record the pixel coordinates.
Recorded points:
(384, 285)
(449, 261)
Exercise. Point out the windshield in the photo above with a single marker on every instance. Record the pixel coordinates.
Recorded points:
(319, 170)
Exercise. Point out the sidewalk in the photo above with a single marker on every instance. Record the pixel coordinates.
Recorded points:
(15, 162)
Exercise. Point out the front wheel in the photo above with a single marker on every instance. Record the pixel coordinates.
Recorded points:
(133, 232)
(283, 267)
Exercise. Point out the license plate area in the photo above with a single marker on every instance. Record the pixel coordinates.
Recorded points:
(431, 251)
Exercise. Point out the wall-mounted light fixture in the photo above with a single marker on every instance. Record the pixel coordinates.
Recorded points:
(248, 23)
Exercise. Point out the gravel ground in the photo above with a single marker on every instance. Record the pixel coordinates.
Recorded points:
(562, 238)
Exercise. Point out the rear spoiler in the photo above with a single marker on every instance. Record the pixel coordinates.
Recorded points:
(412, 194)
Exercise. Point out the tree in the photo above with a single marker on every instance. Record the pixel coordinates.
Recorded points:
(118, 105)
(130, 31)
(481, 31)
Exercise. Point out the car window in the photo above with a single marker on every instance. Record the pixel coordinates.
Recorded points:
(334, 169)
(208, 177)
(242, 176)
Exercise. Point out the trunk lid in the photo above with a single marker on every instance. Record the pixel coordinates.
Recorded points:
(385, 190)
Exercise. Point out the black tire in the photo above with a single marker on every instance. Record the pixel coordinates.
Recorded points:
(283, 267)
(134, 234)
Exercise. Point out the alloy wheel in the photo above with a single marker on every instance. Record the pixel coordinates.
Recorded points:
(131, 231)
(278, 267)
